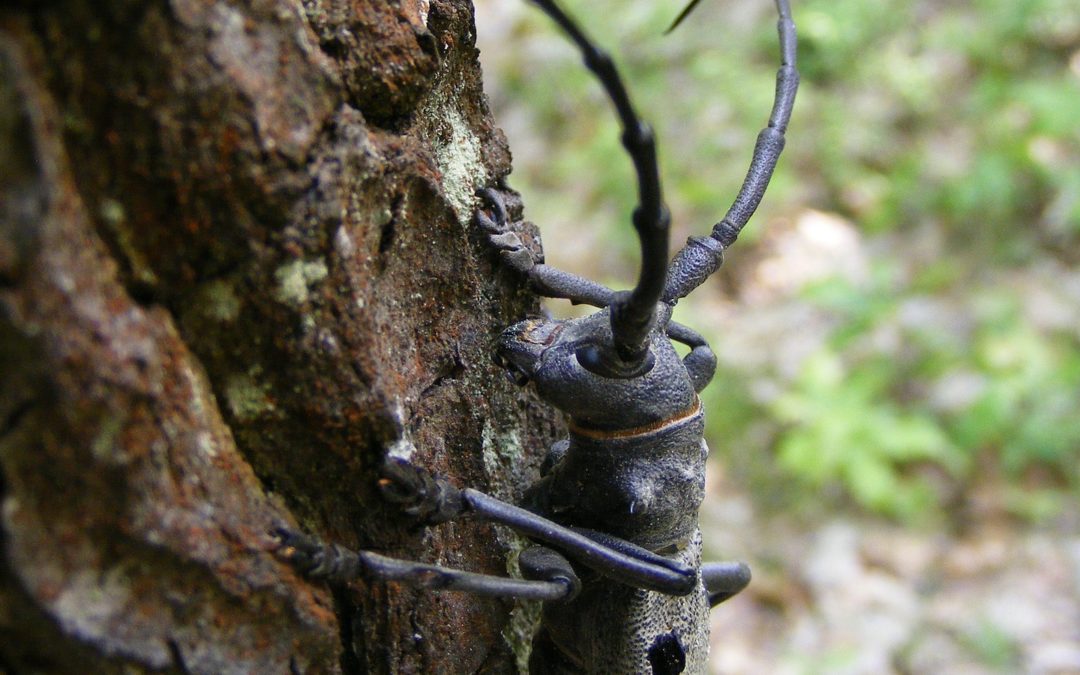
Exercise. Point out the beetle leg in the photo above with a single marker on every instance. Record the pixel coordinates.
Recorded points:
(554, 455)
(513, 252)
(724, 580)
(540, 563)
(338, 565)
(700, 363)
(544, 279)
(436, 500)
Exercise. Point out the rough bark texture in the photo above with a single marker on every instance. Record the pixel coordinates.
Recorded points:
(237, 267)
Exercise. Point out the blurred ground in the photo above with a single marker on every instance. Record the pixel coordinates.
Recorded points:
(896, 417)
(973, 589)
(848, 594)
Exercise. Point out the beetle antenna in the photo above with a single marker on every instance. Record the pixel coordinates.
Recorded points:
(703, 255)
(633, 313)
(682, 15)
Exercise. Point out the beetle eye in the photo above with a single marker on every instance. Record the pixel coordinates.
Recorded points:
(603, 361)
(589, 356)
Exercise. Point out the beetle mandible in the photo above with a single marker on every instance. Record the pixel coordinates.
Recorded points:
(614, 514)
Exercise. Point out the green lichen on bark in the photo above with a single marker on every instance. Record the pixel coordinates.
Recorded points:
(230, 282)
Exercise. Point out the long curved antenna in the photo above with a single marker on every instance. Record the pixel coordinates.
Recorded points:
(682, 15)
(632, 313)
(703, 255)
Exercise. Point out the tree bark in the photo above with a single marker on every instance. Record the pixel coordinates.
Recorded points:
(237, 268)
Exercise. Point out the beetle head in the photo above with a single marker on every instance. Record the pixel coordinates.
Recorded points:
(553, 356)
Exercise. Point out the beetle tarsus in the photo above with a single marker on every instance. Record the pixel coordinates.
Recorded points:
(424, 496)
(316, 559)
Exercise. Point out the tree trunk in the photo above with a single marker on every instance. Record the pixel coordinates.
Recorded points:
(237, 268)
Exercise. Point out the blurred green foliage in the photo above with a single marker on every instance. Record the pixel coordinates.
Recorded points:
(947, 135)
(993, 648)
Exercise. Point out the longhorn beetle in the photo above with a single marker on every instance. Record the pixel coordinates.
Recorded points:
(614, 514)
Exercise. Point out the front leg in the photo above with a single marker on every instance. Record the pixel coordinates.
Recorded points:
(435, 500)
(544, 279)
(430, 500)
(700, 363)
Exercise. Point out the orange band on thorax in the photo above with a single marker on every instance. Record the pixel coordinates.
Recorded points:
(652, 427)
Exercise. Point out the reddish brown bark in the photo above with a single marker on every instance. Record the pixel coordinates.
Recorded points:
(236, 267)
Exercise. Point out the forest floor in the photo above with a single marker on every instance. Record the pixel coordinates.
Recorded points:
(852, 595)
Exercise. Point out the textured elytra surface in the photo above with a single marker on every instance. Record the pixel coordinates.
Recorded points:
(644, 631)
(234, 271)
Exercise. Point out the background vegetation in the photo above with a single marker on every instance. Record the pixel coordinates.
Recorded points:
(900, 324)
